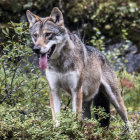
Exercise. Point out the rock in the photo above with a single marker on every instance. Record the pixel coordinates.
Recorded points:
(130, 54)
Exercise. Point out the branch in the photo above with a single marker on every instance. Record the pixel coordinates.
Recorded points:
(4, 74)
(12, 81)
(8, 93)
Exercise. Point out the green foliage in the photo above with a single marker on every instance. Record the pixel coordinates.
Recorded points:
(115, 56)
(20, 81)
(110, 17)
(24, 98)
(16, 125)
(130, 84)
(17, 5)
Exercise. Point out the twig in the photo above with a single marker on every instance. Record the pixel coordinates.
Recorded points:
(8, 93)
(67, 104)
(4, 75)
(12, 81)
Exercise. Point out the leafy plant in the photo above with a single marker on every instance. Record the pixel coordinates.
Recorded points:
(24, 98)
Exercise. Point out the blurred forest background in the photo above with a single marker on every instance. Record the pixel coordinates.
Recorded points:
(111, 26)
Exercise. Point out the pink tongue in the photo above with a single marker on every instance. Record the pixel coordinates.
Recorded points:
(43, 61)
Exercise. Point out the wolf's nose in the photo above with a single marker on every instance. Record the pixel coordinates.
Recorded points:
(37, 49)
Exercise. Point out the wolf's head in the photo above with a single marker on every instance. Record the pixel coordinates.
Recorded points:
(48, 35)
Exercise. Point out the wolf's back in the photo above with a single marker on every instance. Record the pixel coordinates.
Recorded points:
(92, 50)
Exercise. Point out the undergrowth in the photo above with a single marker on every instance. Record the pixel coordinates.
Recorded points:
(24, 99)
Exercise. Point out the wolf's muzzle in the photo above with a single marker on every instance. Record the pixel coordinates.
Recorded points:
(37, 49)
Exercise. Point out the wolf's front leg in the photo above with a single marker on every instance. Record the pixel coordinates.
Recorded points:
(77, 98)
(55, 106)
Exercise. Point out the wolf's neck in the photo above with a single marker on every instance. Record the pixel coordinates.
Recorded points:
(77, 45)
(72, 56)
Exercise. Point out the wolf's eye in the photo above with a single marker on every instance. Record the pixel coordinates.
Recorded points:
(35, 35)
(48, 35)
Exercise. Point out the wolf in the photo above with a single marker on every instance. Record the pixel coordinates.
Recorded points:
(82, 71)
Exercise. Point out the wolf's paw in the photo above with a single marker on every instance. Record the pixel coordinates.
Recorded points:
(129, 128)
(57, 124)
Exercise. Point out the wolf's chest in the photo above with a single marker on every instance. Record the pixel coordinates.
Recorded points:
(67, 81)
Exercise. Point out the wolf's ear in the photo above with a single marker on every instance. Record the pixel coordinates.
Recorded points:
(57, 16)
(31, 18)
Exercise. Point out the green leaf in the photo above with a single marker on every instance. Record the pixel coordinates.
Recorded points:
(4, 31)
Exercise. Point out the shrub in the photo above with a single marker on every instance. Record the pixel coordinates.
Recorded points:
(24, 99)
